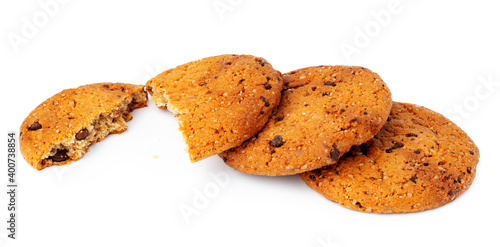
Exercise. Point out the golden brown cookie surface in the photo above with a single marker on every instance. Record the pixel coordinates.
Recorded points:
(218, 101)
(419, 160)
(324, 111)
(61, 129)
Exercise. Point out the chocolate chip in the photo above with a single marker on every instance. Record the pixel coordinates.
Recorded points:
(365, 113)
(472, 153)
(301, 85)
(132, 105)
(358, 204)
(441, 163)
(82, 134)
(242, 80)
(273, 151)
(265, 101)
(411, 135)
(224, 159)
(261, 62)
(277, 141)
(354, 120)
(203, 84)
(417, 152)
(342, 110)
(227, 63)
(35, 126)
(312, 177)
(469, 170)
(261, 112)
(330, 83)
(106, 85)
(397, 145)
(306, 105)
(324, 94)
(334, 153)
(426, 164)
(267, 86)
(60, 155)
(414, 179)
(451, 192)
(314, 88)
(280, 119)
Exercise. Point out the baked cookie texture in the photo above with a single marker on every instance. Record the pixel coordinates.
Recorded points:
(419, 160)
(324, 110)
(218, 101)
(62, 128)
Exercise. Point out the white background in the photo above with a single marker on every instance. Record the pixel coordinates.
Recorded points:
(128, 190)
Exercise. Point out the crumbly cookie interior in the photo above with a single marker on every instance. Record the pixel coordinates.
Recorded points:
(77, 144)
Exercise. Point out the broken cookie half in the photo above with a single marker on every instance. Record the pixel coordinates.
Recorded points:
(218, 101)
(62, 128)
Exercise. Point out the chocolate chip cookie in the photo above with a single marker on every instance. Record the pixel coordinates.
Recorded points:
(62, 128)
(419, 160)
(218, 101)
(324, 111)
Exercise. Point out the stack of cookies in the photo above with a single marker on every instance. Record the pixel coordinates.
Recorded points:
(336, 126)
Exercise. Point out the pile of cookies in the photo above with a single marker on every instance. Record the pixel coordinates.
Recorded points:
(336, 126)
